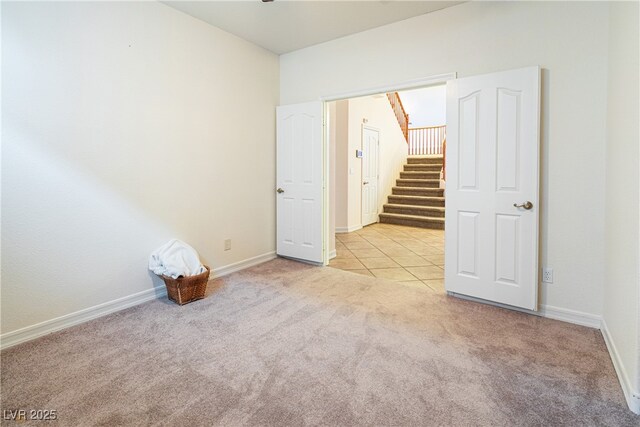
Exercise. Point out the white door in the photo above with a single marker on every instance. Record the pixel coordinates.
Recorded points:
(491, 220)
(370, 164)
(299, 181)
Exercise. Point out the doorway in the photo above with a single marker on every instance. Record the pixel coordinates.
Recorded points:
(400, 139)
(493, 170)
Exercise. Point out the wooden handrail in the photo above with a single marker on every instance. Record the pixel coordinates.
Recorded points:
(404, 112)
(401, 114)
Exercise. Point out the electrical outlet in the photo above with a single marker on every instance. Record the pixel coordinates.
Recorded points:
(227, 244)
(547, 275)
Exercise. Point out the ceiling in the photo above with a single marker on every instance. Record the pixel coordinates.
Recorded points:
(285, 26)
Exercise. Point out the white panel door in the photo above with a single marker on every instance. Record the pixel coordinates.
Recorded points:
(491, 219)
(370, 164)
(299, 180)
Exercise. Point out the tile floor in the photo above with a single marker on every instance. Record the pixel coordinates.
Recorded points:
(412, 256)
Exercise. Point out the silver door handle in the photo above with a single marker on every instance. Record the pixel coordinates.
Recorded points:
(280, 190)
(527, 205)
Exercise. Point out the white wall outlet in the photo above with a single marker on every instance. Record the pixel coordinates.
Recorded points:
(547, 275)
(227, 244)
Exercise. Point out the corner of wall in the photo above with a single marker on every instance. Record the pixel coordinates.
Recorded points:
(621, 299)
(629, 388)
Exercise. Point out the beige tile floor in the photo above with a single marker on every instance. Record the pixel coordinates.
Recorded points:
(412, 256)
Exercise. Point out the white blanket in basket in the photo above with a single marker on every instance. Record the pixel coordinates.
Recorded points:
(175, 259)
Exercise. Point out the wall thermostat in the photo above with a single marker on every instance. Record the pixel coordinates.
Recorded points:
(359, 154)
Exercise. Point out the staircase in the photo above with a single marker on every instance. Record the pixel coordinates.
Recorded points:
(417, 200)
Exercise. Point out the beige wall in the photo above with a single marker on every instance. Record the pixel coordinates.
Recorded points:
(125, 125)
(622, 285)
(480, 37)
(393, 147)
(331, 118)
(341, 126)
(393, 153)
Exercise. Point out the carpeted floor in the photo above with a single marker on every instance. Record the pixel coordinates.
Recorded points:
(285, 343)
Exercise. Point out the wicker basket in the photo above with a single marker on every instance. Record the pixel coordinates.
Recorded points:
(183, 290)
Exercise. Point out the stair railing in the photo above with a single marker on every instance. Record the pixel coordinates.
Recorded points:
(426, 140)
(401, 114)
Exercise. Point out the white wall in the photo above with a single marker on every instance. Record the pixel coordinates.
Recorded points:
(622, 285)
(426, 106)
(480, 37)
(125, 125)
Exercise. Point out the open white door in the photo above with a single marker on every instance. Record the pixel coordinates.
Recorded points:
(491, 220)
(370, 164)
(299, 180)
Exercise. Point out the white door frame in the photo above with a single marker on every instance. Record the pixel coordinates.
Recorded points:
(423, 82)
(375, 129)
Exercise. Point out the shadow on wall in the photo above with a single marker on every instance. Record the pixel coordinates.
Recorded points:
(76, 242)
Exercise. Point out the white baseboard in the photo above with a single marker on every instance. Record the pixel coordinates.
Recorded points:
(348, 229)
(241, 265)
(333, 254)
(571, 316)
(548, 311)
(632, 396)
(28, 333)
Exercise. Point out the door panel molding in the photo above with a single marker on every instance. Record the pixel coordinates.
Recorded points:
(300, 181)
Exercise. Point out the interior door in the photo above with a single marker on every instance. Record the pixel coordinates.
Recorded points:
(299, 180)
(370, 164)
(491, 218)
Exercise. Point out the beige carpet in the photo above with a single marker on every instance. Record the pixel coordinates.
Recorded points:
(285, 343)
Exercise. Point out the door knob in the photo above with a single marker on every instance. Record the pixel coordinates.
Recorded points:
(527, 205)
(280, 190)
(365, 182)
